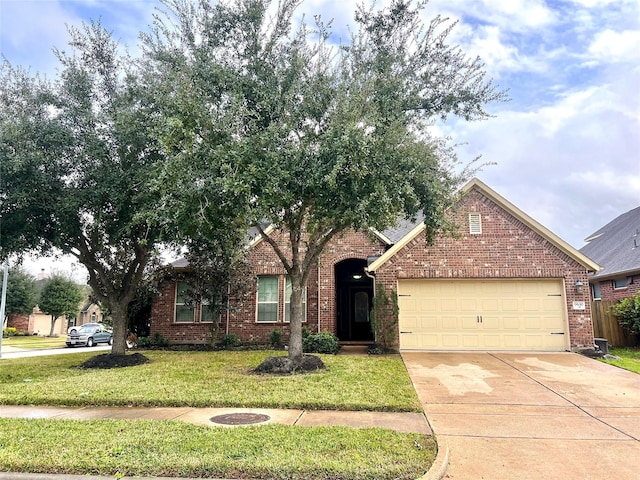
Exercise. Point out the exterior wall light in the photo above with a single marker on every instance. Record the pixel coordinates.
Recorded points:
(579, 286)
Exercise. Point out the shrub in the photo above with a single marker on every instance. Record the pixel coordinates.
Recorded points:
(156, 340)
(627, 311)
(384, 320)
(305, 332)
(275, 338)
(230, 340)
(323, 342)
(9, 332)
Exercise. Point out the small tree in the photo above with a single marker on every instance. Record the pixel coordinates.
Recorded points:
(384, 318)
(60, 297)
(627, 311)
(22, 293)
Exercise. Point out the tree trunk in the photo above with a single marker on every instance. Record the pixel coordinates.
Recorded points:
(295, 324)
(53, 325)
(120, 321)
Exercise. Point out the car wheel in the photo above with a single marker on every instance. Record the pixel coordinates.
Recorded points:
(110, 340)
(90, 342)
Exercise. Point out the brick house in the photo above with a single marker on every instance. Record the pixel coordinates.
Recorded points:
(503, 282)
(616, 247)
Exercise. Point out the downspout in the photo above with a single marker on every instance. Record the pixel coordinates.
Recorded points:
(226, 329)
(318, 296)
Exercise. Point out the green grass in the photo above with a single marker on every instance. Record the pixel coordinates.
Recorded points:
(34, 341)
(209, 379)
(170, 448)
(165, 448)
(629, 358)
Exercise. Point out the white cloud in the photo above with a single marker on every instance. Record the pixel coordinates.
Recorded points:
(611, 46)
(509, 15)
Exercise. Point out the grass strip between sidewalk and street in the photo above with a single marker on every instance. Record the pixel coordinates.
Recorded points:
(173, 448)
(210, 379)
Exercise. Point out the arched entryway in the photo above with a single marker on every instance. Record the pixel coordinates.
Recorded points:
(354, 297)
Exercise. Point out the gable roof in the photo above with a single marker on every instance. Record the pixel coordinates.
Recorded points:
(616, 246)
(563, 246)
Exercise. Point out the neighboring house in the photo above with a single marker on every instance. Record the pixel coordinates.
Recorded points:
(503, 282)
(89, 313)
(38, 322)
(616, 247)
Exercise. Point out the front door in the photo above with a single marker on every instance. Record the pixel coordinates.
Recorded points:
(354, 291)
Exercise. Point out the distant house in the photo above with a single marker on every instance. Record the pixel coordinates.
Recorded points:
(38, 322)
(502, 282)
(616, 248)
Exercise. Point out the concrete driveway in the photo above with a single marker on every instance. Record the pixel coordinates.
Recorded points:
(530, 415)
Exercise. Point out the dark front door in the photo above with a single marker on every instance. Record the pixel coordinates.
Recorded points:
(354, 291)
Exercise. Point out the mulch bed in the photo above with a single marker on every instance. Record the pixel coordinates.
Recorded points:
(284, 366)
(109, 360)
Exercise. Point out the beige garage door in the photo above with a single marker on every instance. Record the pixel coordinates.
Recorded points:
(482, 315)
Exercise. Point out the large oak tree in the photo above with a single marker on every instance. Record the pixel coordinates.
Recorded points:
(76, 159)
(312, 136)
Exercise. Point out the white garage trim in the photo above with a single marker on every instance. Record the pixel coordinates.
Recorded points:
(483, 314)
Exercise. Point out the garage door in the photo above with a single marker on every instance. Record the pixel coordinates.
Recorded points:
(482, 315)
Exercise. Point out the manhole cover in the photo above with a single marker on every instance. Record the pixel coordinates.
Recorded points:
(240, 418)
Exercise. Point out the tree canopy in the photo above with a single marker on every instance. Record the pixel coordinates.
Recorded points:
(76, 156)
(60, 297)
(22, 292)
(305, 134)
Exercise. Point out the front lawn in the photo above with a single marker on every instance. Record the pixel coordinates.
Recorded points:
(34, 341)
(163, 448)
(209, 379)
(629, 358)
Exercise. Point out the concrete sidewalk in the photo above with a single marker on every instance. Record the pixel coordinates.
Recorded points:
(401, 422)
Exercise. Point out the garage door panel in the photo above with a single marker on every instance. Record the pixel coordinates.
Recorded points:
(483, 314)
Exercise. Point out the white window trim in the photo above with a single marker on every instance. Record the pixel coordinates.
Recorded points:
(626, 285)
(258, 302)
(176, 304)
(204, 304)
(475, 224)
(287, 301)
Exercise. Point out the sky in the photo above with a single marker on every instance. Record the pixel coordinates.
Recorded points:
(565, 149)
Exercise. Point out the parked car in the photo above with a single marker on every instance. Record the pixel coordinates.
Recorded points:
(88, 335)
(75, 328)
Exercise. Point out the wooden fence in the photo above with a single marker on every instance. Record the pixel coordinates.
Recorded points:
(605, 325)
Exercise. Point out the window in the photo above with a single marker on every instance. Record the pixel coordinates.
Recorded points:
(184, 313)
(595, 291)
(475, 223)
(620, 283)
(267, 299)
(207, 312)
(287, 302)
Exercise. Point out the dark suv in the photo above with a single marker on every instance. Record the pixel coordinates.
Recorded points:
(89, 335)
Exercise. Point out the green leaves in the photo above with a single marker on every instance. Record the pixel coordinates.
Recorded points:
(60, 297)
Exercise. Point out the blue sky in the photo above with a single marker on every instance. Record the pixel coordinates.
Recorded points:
(567, 145)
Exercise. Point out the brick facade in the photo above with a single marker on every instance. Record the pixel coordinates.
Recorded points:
(608, 292)
(241, 317)
(506, 248)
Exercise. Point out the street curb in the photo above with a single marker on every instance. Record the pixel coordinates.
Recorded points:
(441, 462)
